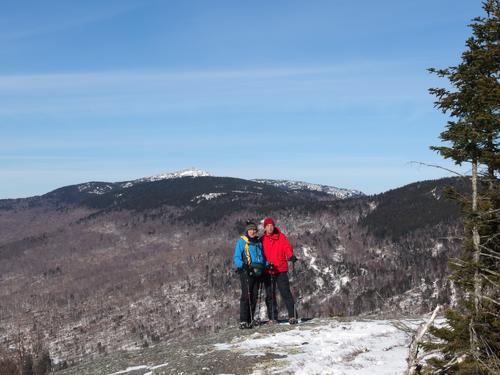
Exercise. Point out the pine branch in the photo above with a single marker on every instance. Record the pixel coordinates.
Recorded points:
(490, 250)
(488, 255)
(486, 365)
(490, 351)
(491, 300)
(491, 272)
(450, 364)
(428, 354)
(492, 313)
(458, 262)
(492, 238)
(437, 166)
(490, 281)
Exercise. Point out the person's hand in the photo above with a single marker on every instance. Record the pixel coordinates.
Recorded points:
(293, 259)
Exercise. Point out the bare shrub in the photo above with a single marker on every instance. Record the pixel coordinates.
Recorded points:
(23, 361)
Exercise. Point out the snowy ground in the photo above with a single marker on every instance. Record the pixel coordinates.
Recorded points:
(332, 347)
(319, 346)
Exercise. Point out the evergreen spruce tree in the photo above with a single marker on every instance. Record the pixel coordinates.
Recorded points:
(470, 342)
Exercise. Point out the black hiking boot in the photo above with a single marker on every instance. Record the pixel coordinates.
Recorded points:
(256, 322)
(292, 321)
(245, 325)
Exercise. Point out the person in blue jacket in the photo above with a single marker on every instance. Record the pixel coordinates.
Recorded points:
(249, 261)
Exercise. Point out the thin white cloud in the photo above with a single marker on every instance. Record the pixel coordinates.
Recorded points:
(361, 69)
(30, 82)
(282, 89)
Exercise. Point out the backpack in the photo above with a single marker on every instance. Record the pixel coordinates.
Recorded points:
(255, 268)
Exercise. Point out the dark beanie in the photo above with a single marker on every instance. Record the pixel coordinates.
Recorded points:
(250, 225)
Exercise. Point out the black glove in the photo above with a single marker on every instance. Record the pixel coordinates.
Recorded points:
(271, 266)
(293, 259)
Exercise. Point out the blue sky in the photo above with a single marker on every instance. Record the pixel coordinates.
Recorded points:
(331, 92)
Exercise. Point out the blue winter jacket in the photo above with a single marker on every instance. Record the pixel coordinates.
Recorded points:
(256, 254)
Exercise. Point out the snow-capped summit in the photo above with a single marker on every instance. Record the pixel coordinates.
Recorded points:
(189, 172)
(301, 185)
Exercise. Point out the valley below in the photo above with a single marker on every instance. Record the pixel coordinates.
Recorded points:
(97, 269)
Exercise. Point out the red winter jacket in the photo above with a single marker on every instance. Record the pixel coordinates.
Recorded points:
(277, 250)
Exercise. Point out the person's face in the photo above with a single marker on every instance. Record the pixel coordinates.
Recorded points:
(252, 233)
(269, 228)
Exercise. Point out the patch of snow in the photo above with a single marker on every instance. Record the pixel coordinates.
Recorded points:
(94, 188)
(435, 286)
(320, 282)
(223, 346)
(434, 193)
(208, 197)
(411, 298)
(328, 270)
(338, 256)
(350, 348)
(140, 367)
(335, 279)
(306, 250)
(436, 249)
(246, 192)
(344, 280)
(372, 205)
(454, 295)
(301, 185)
(130, 369)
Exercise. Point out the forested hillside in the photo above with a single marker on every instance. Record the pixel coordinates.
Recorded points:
(104, 266)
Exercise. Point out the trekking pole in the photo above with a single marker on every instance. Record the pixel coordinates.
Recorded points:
(249, 298)
(273, 297)
(295, 301)
(259, 300)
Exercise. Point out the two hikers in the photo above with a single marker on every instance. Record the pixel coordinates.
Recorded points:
(263, 261)
(250, 263)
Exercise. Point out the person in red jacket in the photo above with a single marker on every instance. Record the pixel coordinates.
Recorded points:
(278, 251)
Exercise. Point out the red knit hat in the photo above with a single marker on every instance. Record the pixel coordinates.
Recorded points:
(267, 221)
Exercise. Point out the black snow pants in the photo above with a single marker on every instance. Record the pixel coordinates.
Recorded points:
(250, 285)
(280, 281)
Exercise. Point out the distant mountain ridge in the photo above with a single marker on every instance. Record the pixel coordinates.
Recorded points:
(100, 188)
(178, 189)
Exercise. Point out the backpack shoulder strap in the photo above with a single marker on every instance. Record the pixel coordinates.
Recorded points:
(248, 258)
